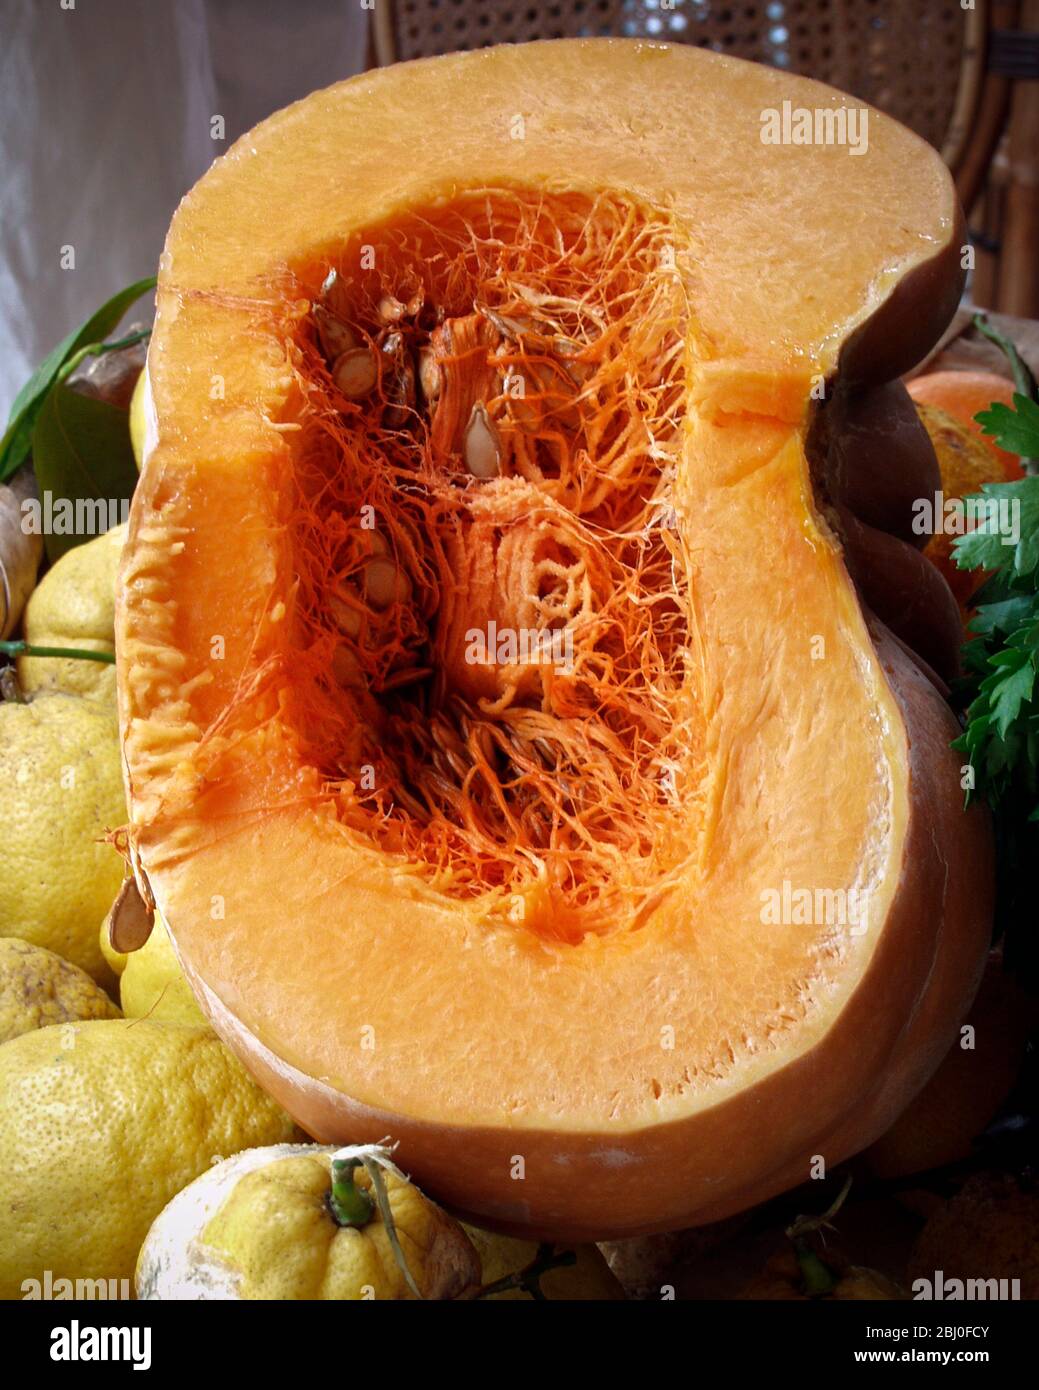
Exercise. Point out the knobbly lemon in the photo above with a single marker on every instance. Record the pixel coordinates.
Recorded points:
(151, 982)
(62, 792)
(115, 960)
(38, 988)
(261, 1226)
(138, 418)
(101, 1123)
(74, 606)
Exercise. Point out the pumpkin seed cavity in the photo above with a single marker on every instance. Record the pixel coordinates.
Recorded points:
(490, 435)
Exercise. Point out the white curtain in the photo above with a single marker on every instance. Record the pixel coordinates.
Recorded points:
(106, 110)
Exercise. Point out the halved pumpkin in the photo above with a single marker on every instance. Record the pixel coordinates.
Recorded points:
(616, 934)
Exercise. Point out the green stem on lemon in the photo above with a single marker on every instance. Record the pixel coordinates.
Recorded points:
(350, 1205)
(20, 648)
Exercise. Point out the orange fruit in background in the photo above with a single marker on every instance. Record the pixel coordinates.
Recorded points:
(962, 395)
(965, 463)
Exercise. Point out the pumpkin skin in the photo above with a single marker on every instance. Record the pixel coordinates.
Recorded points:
(667, 1070)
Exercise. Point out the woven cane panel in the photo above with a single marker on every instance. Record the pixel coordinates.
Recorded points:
(901, 55)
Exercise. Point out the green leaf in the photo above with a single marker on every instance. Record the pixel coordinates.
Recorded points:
(81, 453)
(1015, 430)
(1005, 617)
(17, 439)
(986, 546)
(1009, 694)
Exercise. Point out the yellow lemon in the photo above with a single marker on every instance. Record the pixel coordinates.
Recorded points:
(38, 988)
(151, 982)
(101, 1123)
(115, 960)
(74, 606)
(262, 1226)
(138, 417)
(62, 791)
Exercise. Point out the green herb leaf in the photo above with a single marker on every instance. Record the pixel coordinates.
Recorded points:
(17, 440)
(986, 547)
(1017, 429)
(1005, 616)
(1008, 688)
(82, 454)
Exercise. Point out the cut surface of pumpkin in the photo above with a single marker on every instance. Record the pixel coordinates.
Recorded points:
(510, 748)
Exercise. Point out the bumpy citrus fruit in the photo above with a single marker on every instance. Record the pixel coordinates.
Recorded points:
(151, 982)
(138, 424)
(260, 1226)
(74, 606)
(38, 988)
(101, 1123)
(62, 792)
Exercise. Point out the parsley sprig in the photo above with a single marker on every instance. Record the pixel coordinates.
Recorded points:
(1001, 657)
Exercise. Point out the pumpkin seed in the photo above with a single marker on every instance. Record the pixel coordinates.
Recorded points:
(401, 395)
(507, 327)
(334, 335)
(480, 444)
(408, 677)
(375, 541)
(355, 373)
(347, 616)
(346, 668)
(428, 374)
(390, 309)
(384, 583)
(130, 921)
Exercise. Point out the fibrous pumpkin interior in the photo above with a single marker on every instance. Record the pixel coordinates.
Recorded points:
(672, 897)
(555, 782)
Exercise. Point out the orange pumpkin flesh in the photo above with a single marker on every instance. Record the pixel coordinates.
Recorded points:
(515, 916)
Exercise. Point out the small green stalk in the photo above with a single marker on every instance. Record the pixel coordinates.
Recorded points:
(1024, 380)
(818, 1278)
(98, 350)
(351, 1206)
(19, 648)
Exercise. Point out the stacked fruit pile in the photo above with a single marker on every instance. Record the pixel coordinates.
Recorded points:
(261, 803)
